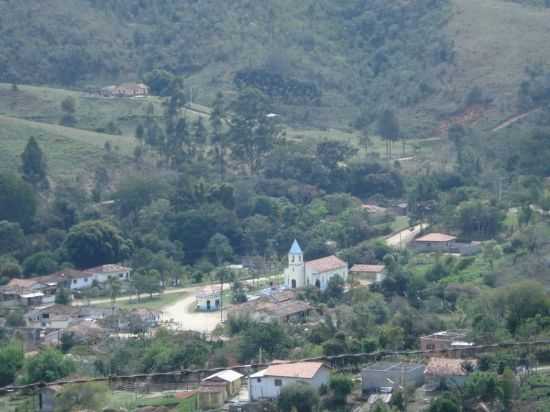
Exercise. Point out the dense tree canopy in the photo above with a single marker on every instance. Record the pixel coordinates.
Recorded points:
(17, 200)
(95, 243)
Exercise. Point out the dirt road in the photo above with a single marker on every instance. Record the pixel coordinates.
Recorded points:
(401, 239)
(182, 315)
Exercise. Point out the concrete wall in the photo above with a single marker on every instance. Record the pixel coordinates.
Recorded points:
(324, 278)
(266, 388)
(372, 380)
(202, 303)
(443, 247)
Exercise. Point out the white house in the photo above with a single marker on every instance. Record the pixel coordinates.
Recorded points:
(76, 279)
(208, 298)
(368, 273)
(267, 384)
(103, 273)
(316, 272)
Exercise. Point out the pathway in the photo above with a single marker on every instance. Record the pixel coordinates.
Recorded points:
(513, 120)
(404, 237)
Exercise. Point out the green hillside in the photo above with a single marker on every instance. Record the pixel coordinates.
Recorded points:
(43, 104)
(494, 41)
(71, 153)
(359, 56)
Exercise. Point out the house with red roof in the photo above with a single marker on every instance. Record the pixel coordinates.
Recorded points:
(267, 383)
(318, 272)
(434, 242)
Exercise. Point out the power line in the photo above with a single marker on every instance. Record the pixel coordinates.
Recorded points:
(471, 350)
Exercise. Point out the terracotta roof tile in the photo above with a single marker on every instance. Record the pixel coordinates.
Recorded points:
(303, 370)
(436, 237)
(326, 264)
(449, 367)
(368, 268)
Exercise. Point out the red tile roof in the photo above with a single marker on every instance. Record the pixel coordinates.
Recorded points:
(303, 370)
(368, 268)
(436, 237)
(108, 269)
(448, 366)
(326, 264)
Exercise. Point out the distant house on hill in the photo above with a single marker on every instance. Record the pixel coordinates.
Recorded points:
(444, 243)
(316, 272)
(445, 340)
(434, 242)
(369, 273)
(125, 90)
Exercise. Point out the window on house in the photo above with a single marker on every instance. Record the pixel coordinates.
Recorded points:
(121, 276)
(85, 279)
(430, 346)
(258, 379)
(74, 281)
(278, 382)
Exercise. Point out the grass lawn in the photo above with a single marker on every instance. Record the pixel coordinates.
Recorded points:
(399, 223)
(43, 104)
(69, 152)
(494, 41)
(472, 272)
(156, 303)
(19, 403)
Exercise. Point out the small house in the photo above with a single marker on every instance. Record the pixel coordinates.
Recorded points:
(434, 242)
(125, 90)
(212, 395)
(231, 379)
(28, 292)
(209, 299)
(267, 383)
(53, 316)
(391, 374)
(445, 340)
(104, 273)
(368, 273)
(447, 372)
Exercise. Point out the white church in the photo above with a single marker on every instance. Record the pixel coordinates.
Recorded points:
(318, 272)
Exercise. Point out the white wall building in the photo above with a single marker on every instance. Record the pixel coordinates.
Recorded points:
(267, 384)
(209, 299)
(101, 274)
(316, 272)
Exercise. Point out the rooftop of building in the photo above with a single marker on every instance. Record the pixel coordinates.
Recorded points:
(302, 370)
(388, 366)
(326, 264)
(367, 268)
(436, 237)
(227, 375)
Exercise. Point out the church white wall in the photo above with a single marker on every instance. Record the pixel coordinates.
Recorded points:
(324, 277)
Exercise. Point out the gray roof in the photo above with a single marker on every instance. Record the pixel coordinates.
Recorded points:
(387, 366)
(295, 249)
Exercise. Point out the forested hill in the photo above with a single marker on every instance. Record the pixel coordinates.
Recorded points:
(321, 59)
(350, 52)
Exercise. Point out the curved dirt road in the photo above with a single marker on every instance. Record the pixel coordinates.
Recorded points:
(401, 239)
(183, 316)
